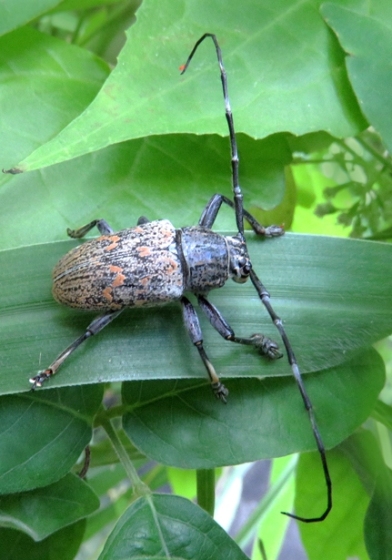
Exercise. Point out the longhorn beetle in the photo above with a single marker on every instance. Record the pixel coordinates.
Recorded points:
(154, 263)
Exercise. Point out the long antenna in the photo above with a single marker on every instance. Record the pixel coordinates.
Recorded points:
(235, 161)
(260, 288)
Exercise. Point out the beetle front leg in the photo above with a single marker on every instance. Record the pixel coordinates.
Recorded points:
(262, 343)
(211, 211)
(192, 325)
(102, 226)
(94, 327)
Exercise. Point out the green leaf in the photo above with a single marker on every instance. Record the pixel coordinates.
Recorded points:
(172, 176)
(363, 451)
(63, 544)
(345, 521)
(41, 512)
(145, 95)
(256, 423)
(331, 293)
(45, 83)
(162, 526)
(367, 40)
(43, 434)
(378, 520)
(15, 13)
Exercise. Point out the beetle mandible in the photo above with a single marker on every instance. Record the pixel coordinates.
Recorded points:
(154, 263)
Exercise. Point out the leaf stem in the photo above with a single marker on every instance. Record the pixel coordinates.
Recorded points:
(205, 479)
(140, 489)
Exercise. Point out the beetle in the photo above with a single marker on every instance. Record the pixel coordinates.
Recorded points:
(154, 263)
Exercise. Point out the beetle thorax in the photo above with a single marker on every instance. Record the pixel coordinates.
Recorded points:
(210, 259)
(205, 259)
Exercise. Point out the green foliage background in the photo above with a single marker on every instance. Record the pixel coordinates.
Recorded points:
(93, 86)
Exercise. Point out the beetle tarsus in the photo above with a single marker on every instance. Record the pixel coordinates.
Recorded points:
(266, 346)
(273, 231)
(39, 379)
(220, 391)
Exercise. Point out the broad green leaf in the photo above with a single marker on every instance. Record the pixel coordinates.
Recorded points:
(271, 90)
(163, 526)
(378, 537)
(45, 83)
(345, 521)
(257, 422)
(367, 39)
(161, 177)
(331, 293)
(83, 4)
(42, 435)
(41, 512)
(14, 13)
(364, 453)
(63, 544)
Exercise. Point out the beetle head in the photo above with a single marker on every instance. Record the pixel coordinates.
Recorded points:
(239, 261)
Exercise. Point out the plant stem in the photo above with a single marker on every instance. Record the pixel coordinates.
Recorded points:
(140, 488)
(206, 489)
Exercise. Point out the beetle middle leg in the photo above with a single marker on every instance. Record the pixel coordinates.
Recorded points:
(262, 343)
(94, 327)
(192, 325)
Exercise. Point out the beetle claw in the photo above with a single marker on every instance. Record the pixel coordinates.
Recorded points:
(266, 346)
(220, 391)
(39, 379)
(274, 231)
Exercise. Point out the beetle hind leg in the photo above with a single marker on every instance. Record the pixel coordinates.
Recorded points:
(94, 327)
(192, 325)
(143, 220)
(102, 226)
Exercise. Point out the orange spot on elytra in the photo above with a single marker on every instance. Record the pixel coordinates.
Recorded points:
(120, 278)
(107, 294)
(118, 281)
(144, 251)
(114, 268)
(115, 239)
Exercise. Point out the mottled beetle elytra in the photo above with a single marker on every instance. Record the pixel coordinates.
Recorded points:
(154, 263)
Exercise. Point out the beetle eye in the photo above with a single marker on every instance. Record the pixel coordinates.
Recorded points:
(246, 269)
(242, 270)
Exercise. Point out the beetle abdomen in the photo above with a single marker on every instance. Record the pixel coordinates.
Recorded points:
(134, 267)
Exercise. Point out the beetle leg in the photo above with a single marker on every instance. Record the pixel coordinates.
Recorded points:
(192, 325)
(102, 226)
(211, 211)
(143, 220)
(94, 327)
(264, 345)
